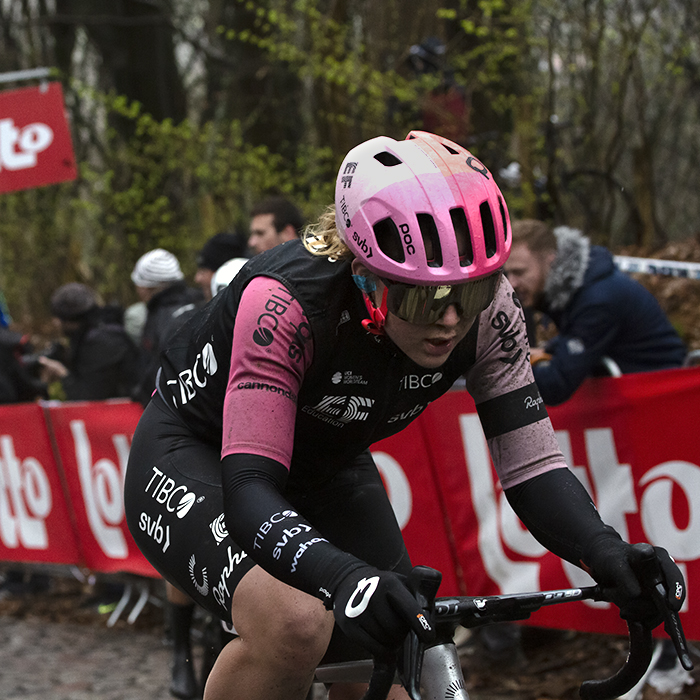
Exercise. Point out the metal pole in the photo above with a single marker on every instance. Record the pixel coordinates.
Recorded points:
(17, 75)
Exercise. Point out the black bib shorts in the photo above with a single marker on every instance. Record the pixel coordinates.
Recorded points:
(174, 509)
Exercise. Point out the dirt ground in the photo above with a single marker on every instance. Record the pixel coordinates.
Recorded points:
(57, 645)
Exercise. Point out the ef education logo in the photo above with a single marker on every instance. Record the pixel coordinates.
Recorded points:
(339, 410)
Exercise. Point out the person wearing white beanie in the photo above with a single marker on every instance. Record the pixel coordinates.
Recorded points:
(155, 268)
(160, 285)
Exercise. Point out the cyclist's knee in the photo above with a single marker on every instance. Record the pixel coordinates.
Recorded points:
(270, 615)
(305, 628)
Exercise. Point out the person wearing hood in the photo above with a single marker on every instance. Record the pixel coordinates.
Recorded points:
(599, 311)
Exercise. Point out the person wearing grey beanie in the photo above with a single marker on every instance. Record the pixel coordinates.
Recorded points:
(98, 361)
(72, 301)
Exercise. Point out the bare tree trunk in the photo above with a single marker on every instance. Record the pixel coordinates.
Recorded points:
(651, 234)
(135, 40)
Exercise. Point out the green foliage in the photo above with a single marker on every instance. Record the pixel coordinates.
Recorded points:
(173, 185)
(574, 92)
(170, 185)
(316, 47)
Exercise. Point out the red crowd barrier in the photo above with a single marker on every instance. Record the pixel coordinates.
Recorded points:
(630, 440)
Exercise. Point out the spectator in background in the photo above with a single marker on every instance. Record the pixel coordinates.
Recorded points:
(598, 310)
(100, 361)
(17, 382)
(444, 110)
(225, 274)
(161, 285)
(216, 251)
(273, 221)
(135, 320)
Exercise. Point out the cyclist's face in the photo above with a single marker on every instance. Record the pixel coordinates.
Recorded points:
(428, 345)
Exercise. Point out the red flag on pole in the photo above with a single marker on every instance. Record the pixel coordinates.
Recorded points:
(35, 142)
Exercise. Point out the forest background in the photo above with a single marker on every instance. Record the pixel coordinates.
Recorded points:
(185, 112)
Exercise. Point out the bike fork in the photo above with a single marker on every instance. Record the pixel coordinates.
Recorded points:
(442, 678)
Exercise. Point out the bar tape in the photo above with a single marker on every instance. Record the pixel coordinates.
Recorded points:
(674, 268)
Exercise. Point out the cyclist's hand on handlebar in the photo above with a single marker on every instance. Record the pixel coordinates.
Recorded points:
(630, 575)
(376, 609)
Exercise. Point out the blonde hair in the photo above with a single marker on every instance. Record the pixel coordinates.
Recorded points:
(323, 238)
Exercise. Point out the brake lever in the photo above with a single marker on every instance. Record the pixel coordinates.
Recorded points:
(673, 627)
(649, 572)
(424, 582)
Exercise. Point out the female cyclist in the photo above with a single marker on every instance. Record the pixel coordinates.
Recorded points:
(250, 483)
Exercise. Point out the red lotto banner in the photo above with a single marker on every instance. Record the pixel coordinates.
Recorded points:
(630, 440)
(404, 462)
(35, 143)
(35, 519)
(93, 442)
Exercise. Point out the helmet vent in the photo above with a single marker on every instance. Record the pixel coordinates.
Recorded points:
(431, 240)
(489, 228)
(451, 150)
(464, 239)
(389, 239)
(388, 159)
(504, 218)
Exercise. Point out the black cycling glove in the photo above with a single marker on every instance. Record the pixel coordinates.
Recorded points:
(559, 512)
(629, 574)
(376, 609)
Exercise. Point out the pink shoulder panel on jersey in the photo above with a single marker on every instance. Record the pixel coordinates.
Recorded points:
(272, 349)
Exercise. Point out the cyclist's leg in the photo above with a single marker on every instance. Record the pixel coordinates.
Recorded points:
(283, 634)
(174, 508)
(180, 608)
(173, 503)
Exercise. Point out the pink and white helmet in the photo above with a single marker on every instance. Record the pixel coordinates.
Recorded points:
(422, 211)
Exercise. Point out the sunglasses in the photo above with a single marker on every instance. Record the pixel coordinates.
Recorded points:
(424, 305)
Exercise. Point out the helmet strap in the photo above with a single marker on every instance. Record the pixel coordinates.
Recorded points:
(377, 316)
